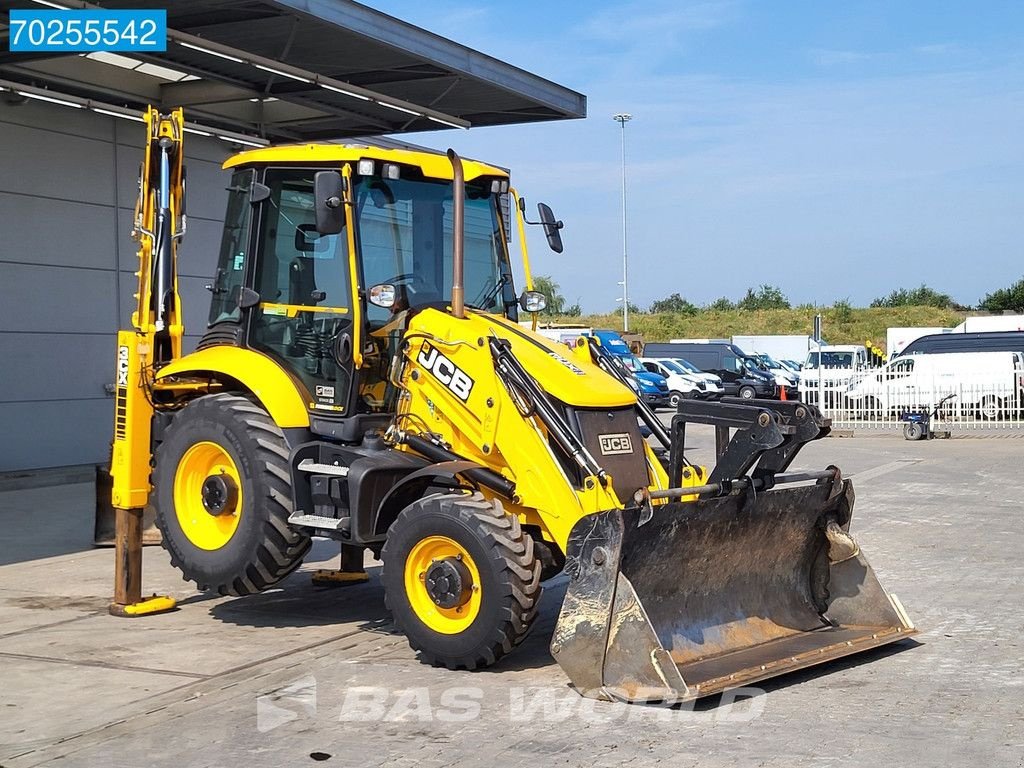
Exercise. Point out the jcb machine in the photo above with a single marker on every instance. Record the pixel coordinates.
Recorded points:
(363, 377)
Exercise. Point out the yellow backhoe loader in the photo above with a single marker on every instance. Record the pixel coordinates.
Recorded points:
(364, 377)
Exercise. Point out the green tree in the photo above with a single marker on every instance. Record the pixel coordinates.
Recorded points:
(765, 297)
(915, 297)
(674, 303)
(721, 305)
(573, 310)
(842, 311)
(633, 309)
(1011, 299)
(556, 301)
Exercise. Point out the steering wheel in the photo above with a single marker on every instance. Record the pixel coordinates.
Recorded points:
(416, 289)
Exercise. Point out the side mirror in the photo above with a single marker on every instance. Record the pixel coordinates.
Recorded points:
(533, 301)
(551, 227)
(329, 196)
(382, 295)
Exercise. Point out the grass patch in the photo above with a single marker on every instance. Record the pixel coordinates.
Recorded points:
(842, 324)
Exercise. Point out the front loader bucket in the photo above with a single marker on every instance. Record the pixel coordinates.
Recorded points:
(718, 593)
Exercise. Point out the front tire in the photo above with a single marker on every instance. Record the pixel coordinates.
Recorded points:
(747, 393)
(913, 431)
(461, 579)
(675, 398)
(223, 491)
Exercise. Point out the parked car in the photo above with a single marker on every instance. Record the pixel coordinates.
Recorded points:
(653, 387)
(714, 382)
(993, 341)
(681, 383)
(784, 379)
(985, 383)
(837, 364)
(725, 361)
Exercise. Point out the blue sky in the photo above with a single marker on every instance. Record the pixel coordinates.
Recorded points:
(838, 150)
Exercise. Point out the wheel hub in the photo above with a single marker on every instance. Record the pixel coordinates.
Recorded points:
(220, 494)
(448, 582)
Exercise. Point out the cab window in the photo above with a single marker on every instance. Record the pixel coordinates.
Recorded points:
(305, 296)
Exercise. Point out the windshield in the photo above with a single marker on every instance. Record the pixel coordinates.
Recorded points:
(831, 359)
(769, 362)
(405, 239)
(632, 362)
(687, 365)
(675, 367)
(753, 364)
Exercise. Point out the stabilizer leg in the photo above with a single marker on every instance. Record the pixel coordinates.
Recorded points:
(128, 602)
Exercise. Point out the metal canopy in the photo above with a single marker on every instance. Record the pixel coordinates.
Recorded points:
(298, 70)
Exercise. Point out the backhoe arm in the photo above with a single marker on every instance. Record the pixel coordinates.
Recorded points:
(155, 339)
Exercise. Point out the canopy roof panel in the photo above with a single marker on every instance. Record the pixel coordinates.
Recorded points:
(298, 70)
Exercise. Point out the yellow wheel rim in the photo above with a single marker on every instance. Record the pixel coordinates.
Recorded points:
(428, 553)
(207, 530)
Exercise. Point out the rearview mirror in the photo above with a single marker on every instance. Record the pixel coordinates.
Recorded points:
(533, 301)
(308, 240)
(329, 205)
(382, 295)
(551, 227)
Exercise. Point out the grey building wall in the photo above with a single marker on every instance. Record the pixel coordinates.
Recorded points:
(68, 181)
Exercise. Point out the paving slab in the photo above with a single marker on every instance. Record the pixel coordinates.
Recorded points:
(23, 611)
(46, 702)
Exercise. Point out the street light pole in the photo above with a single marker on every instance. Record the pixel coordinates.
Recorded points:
(622, 118)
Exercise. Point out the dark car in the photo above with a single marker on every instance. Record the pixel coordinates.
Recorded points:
(727, 361)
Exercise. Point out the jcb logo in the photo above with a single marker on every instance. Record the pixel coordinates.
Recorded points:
(122, 366)
(445, 371)
(612, 445)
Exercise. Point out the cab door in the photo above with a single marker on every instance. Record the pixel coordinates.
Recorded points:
(304, 313)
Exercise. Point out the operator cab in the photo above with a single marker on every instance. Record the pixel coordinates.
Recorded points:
(331, 302)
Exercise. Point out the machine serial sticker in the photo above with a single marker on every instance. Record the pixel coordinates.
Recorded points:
(322, 391)
(612, 445)
(445, 371)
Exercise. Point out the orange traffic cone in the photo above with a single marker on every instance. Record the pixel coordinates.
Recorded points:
(782, 393)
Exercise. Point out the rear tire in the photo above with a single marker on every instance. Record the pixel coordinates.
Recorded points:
(500, 606)
(747, 393)
(249, 546)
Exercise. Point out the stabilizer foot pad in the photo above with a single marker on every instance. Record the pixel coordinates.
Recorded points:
(323, 576)
(151, 605)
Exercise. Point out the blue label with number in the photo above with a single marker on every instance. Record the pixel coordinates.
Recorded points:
(32, 31)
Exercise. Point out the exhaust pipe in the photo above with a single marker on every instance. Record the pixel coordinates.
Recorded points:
(458, 235)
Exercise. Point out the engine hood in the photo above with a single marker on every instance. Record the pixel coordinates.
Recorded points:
(560, 373)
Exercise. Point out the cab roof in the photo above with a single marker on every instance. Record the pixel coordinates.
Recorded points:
(432, 164)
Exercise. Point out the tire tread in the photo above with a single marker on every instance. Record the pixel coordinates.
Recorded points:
(511, 556)
(281, 548)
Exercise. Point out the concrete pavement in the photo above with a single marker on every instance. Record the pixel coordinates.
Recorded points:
(302, 674)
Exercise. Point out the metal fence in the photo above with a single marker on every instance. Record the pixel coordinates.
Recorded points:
(878, 398)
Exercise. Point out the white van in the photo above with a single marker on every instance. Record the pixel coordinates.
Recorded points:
(681, 382)
(837, 364)
(985, 383)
